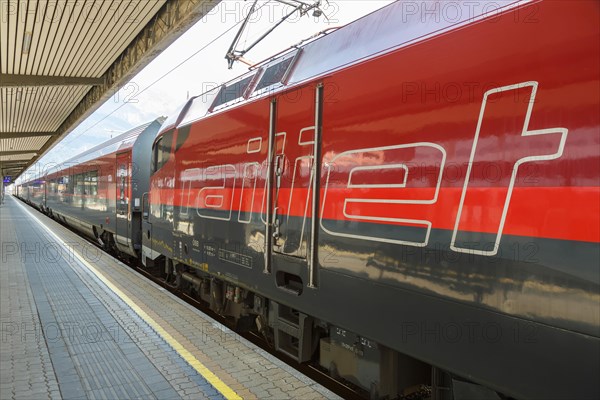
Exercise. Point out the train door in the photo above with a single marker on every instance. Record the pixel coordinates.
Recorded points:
(122, 196)
(157, 228)
(294, 147)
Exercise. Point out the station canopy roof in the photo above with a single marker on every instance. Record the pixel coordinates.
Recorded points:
(61, 59)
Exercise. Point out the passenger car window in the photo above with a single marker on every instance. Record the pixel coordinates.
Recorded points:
(162, 151)
(182, 135)
(155, 150)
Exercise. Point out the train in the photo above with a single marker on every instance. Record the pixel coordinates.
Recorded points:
(410, 202)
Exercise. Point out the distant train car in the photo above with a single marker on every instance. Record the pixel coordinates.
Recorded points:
(99, 192)
(410, 201)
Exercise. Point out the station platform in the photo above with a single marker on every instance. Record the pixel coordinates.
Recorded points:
(77, 323)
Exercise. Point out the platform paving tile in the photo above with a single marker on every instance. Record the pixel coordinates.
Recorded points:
(26, 371)
(61, 341)
(165, 361)
(236, 361)
(248, 370)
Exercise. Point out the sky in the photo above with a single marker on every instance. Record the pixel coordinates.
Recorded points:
(196, 62)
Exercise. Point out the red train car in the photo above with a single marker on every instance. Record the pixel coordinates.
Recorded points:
(410, 200)
(417, 188)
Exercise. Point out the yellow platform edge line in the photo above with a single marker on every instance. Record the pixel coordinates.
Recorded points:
(206, 373)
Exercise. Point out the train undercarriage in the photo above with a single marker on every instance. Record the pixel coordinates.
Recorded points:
(376, 371)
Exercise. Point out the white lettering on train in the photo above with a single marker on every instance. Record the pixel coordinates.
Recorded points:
(381, 184)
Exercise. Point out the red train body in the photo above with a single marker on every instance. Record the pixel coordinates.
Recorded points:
(419, 188)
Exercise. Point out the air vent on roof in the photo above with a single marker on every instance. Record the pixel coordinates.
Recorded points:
(277, 73)
(232, 92)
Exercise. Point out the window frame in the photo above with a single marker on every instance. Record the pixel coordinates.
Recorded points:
(162, 154)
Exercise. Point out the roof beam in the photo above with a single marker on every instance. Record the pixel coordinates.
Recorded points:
(171, 21)
(13, 164)
(16, 135)
(4, 167)
(12, 80)
(17, 152)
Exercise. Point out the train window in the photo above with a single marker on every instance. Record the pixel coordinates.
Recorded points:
(70, 186)
(182, 135)
(162, 151)
(122, 174)
(79, 184)
(155, 155)
(91, 183)
(63, 183)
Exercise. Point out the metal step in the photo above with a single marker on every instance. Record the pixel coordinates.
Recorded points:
(293, 332)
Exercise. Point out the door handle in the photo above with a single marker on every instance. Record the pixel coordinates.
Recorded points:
(276, 226)
(279, 169)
